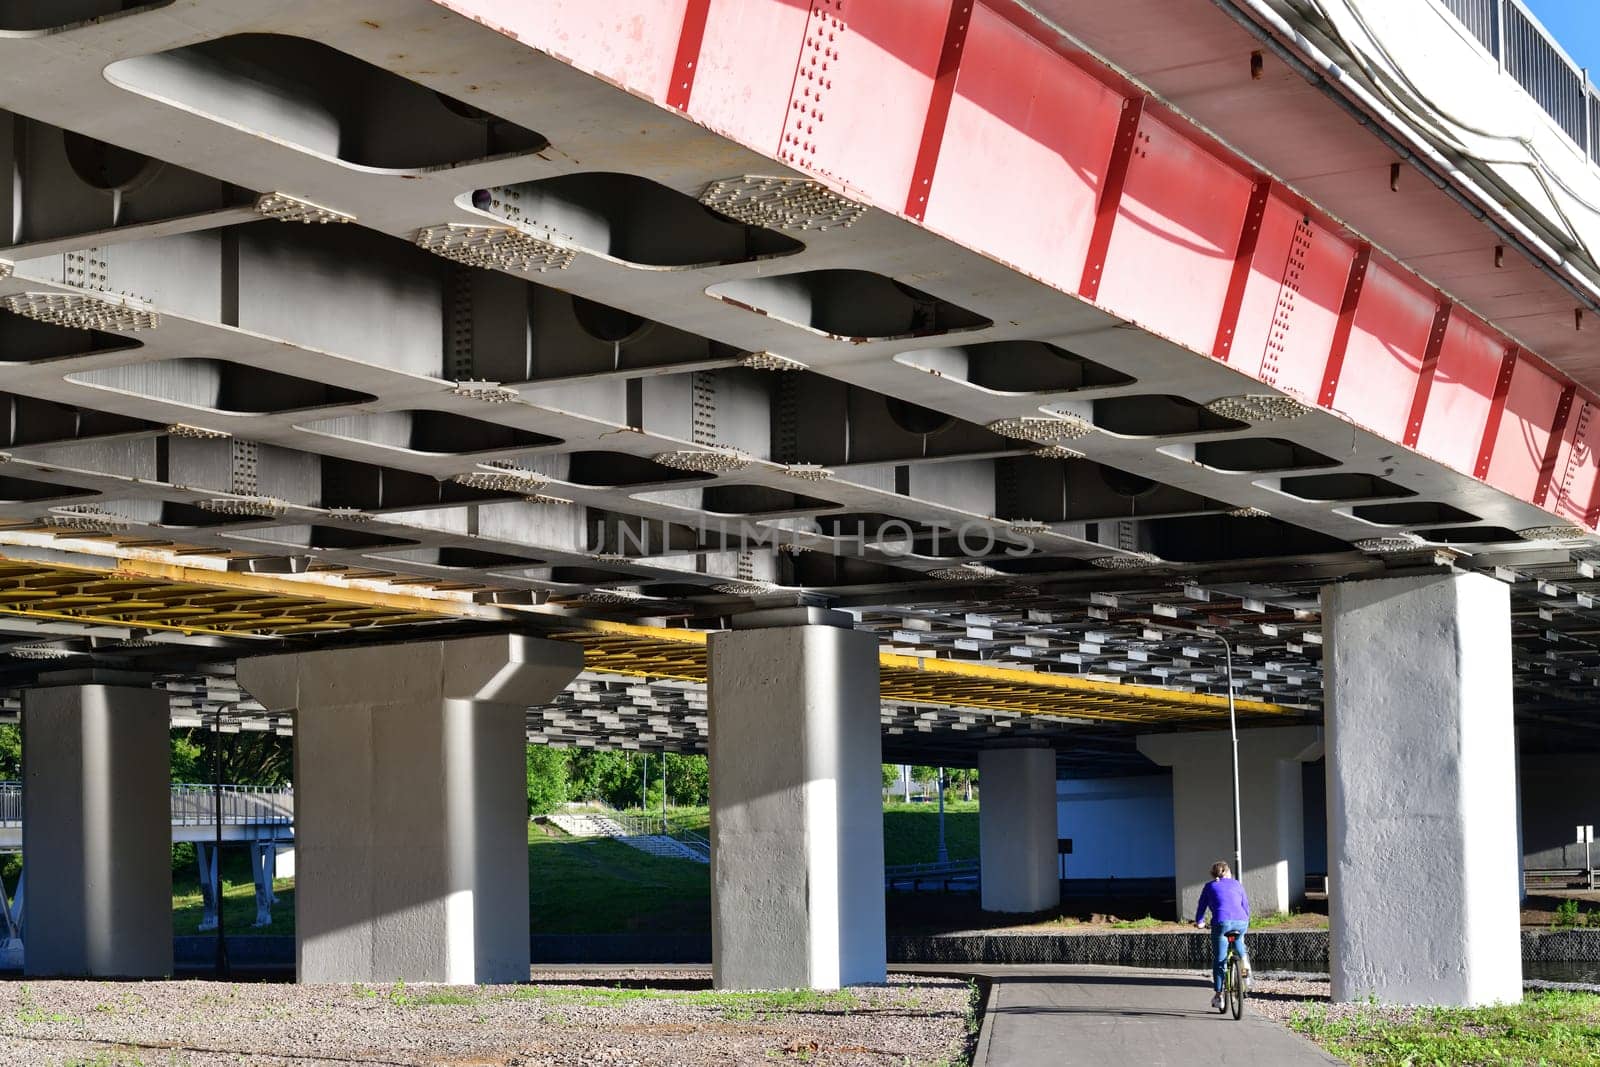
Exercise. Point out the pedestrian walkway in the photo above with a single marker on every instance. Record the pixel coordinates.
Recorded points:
(1052, 1016)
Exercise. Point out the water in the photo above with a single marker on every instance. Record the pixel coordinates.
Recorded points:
(1577, 972)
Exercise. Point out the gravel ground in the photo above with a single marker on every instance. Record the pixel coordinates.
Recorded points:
(560, 1019)
(1278, 995)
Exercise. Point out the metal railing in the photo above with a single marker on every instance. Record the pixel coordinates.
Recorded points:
(641, 825)
(1560, 878)
(1510, 33)
(699, 843)
(242, 805)
(912, 875)
(194, 805)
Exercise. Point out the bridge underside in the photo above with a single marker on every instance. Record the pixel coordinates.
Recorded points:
(467, 323)
(544, 345)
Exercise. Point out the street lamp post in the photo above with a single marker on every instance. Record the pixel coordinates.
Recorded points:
(943, 854)
(1233, 730)
(216, 848)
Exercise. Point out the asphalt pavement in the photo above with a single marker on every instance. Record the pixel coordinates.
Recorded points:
(1051, 1016)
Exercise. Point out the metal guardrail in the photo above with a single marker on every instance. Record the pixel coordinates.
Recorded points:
(242, 805)
(1560, 878)
(697, 842)
(640, 825)
(1509, 32)
(194, 805)
(913, 874)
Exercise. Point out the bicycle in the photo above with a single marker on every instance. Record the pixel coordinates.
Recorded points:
(1232, 979)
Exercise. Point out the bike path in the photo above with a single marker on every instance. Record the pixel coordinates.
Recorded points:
(1083, 1014)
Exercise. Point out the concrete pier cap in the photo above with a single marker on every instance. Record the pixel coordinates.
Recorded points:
(496, 668)
(410, 798)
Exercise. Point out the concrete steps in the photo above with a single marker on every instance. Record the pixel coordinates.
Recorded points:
(662, 845)
(587, 824)
(590, 824)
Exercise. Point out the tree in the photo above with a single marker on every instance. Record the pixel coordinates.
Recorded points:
(963, 778)
(10, 751)
(249, 757)
(616, 778)
(688, 779)
(191, 762)
(612, 777)
(547, 779)
(187, 759)
(923, 775)
(891, 775)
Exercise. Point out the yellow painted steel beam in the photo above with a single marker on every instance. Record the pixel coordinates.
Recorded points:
(151, 595)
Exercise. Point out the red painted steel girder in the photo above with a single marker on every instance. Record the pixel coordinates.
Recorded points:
(982, 126)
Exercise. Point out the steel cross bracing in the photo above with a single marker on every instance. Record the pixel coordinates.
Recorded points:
(379, 291)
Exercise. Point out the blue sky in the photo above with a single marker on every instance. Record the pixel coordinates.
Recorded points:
(1576, 25)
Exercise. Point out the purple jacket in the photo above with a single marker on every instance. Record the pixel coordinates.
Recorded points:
(1226, 900)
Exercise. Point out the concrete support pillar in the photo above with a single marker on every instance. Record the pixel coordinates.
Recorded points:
(1017, 829)
(206, 859)
(796, 803)
(1422, 833)
(410, 803)
(263, 860)
(1271, 794)
(97, 831)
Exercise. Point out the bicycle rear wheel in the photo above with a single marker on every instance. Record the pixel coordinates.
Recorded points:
(1233, 983)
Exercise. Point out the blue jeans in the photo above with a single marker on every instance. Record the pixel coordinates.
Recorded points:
(1219, 947)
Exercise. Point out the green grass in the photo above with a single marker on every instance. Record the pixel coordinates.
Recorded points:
(1136, 924)
(1570, 915)
(238, 898)
(911, 832)
(1267, 922)
(593, 885)
(1550, 1027)
(733, 1005)
(598, 886)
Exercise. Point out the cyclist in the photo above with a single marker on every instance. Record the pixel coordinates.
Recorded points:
(1230, 913)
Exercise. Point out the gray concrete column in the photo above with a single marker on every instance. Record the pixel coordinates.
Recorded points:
(1422, 835)
(97, 831)
(1272, 800)
(1017, 829)
(796, 804)
(410, 803)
